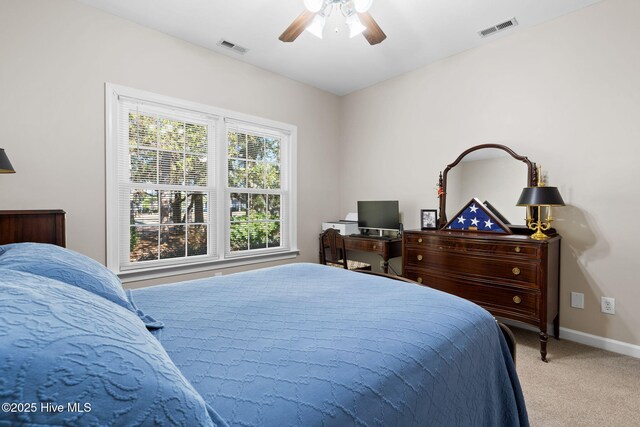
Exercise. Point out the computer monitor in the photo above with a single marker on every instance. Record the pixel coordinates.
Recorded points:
(378, 215)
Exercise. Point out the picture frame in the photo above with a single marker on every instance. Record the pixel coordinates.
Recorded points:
(429, 219)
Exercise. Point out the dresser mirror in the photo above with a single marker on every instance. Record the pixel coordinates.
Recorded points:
(492, 173)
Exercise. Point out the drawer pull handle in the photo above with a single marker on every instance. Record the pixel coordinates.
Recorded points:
(515, 271)
(517, 299)
(419, 280)
(419, 257)
(420, 240)
(517, 249)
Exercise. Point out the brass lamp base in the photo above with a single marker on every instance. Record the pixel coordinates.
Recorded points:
(539, 227)
(539, 235)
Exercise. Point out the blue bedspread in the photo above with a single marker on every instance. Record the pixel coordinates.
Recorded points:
(309, 345)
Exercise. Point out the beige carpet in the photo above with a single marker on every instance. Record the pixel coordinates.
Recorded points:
(580, 386)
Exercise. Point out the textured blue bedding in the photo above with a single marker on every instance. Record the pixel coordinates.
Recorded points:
(69, 357)
(309, 345)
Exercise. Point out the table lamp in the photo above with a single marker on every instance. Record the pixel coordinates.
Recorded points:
(539, 197)
(5, 164)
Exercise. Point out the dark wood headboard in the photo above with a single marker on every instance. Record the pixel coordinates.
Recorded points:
(40, 226)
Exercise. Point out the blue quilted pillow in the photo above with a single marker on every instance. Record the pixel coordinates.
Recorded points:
(69, 267)
(65, 348)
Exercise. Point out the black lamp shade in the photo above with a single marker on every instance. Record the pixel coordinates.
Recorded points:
(540, 196)
(5, 164)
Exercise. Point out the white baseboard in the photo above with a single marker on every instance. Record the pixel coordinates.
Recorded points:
(601, 342)
(596, 341)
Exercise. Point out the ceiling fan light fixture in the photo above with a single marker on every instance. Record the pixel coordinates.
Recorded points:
(355, 26)
(313, 19)
(362, 6)
(317, 26)
(313, 5)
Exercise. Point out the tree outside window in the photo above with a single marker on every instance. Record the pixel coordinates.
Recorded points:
(165, 222)
(255, 191)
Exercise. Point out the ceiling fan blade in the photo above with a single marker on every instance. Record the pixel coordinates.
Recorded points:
(373, 33)
(297, 26)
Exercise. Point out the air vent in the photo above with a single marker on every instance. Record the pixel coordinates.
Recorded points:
(232, 46)
(499, 27)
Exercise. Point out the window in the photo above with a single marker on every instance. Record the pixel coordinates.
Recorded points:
(167, 186)
(254, 183)
(175, 195)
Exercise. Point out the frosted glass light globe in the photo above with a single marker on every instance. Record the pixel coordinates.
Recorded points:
(362, 6)
(313, 5)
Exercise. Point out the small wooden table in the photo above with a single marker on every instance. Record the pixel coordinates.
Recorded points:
(387, 249)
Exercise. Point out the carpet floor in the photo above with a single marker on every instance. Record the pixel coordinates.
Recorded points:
(580, 386)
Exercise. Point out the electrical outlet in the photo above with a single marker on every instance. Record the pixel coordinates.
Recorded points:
(382, 265)
(608, 305)
(218, 273)
(577, 300)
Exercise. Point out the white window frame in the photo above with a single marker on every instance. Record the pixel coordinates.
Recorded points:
(222, 258)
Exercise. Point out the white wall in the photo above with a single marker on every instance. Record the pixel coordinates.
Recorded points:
(567, 95)
(56, 57)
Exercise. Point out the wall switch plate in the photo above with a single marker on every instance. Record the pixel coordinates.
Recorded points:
(608, 305)
(577, 300)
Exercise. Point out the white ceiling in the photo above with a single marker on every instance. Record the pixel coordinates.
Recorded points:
(419, 32)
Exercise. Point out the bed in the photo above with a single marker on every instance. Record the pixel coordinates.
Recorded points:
(294, 345)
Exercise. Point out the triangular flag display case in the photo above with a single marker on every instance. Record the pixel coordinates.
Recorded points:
(476, 217)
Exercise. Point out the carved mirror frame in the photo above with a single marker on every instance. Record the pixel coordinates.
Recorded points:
(532, 175)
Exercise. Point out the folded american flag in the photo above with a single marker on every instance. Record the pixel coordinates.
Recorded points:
(476, 217)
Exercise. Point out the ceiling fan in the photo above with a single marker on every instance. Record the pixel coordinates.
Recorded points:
(314, 17)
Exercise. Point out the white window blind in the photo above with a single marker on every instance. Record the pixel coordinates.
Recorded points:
(257, 190)
(166, 177)
(193, 185)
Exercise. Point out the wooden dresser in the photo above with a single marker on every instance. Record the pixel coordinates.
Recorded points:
(40, 226)
(511, 276)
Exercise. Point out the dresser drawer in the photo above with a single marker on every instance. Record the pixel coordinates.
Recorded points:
(471, 246)
(497, 297)
(520, 272)
(366, 245)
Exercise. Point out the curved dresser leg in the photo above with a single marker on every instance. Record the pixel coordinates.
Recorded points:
(543, 346)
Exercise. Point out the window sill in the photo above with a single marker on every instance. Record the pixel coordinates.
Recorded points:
(176, 270)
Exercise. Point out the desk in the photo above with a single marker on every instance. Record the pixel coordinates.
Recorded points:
(387, 249)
